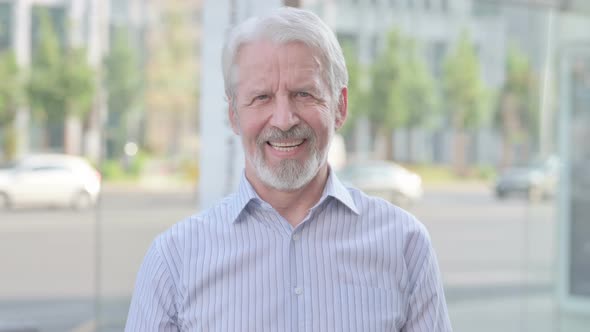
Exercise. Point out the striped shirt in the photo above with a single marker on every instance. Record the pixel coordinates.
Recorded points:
(356, 263)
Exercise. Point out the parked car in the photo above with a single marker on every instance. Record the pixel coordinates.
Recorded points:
(49, 180)
(385, 179)
(536, 181)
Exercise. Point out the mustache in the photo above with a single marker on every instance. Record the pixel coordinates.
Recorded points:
(296, 132)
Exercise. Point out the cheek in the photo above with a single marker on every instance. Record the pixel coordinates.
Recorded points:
(251, 128)
(324, 120)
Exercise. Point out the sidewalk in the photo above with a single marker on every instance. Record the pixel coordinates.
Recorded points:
(534, 311)
(151, 183)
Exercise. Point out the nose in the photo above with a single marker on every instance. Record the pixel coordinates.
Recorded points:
(284, 116)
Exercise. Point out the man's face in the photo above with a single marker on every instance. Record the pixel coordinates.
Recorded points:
(284, 113)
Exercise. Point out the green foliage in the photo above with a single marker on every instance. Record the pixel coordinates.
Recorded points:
(136, 164)
(123, 84)
(357, 92)
(521, 117)
(386, 108)
(43, 87)
(61, 83)
(419, 96)
(402, 89)
(126, 168)
(485, 172)
(77, 82)
(112, 170)
(122, 77)
(11, 96)
(171, 72)
(463, 88)
(171, 66)
(10, 88)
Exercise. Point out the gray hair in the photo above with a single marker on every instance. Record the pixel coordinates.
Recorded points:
(282, 26)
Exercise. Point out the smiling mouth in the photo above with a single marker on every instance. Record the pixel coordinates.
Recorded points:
(286, 146)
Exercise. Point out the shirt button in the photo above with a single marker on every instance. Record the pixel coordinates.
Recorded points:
(296, 237)
(298, 290)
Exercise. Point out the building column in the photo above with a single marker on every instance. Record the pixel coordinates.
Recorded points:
(97, 46)
(21, 41)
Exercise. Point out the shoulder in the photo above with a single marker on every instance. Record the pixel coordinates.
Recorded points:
(381, 210)
(193, 230)
(409, 233)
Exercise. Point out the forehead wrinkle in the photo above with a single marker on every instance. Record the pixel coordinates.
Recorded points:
(306, 76)
(253, 81)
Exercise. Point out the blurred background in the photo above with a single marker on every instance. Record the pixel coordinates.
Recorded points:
(472, 114)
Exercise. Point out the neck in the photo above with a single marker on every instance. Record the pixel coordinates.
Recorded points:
(292, 205)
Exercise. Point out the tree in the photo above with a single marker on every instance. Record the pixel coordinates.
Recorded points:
(357, 92)
(386, 110)
(171, 77)
(43, 87)
(402, 90)
(78, 86)
(123, 84)
(517, 107)
(418, 93)
(11, 96)
(61, 88)
(465, 96)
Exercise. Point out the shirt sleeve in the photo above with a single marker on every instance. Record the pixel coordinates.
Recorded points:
(153, 305)
(427, 310)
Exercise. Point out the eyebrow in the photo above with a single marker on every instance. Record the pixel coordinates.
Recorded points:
(256, 92)
(313, 87)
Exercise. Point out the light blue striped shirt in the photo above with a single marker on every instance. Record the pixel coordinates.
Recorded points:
(356, 263)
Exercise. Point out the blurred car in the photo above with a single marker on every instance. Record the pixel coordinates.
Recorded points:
(384, 179)
(49, 180)
(537, 180)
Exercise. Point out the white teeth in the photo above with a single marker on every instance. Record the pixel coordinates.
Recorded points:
(284, 149)
(285, 145)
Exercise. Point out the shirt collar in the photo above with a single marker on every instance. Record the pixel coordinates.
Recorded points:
(241, 198)
(246, 193)
(336, 189)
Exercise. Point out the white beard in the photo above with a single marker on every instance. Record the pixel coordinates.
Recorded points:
(290, 174)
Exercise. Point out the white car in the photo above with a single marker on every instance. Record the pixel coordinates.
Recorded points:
(49, 180)
(385, 179)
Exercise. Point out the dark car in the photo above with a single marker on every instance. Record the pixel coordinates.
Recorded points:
(536, 181)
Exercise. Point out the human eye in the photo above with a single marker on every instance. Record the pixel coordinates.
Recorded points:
(260, 98)
(303, 94)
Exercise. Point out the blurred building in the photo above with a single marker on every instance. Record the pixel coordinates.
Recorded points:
(78, 23)
(493, 27)
(436, 25)
(166, 36)
(172, 41)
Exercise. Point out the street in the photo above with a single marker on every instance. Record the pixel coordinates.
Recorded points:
(496, 257)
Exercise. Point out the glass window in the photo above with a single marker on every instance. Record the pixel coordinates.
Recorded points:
(474, 109)
(485, 8)
(57, 17)
(5, 26)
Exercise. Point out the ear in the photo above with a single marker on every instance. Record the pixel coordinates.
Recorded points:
(342, 110)
(233, 117)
